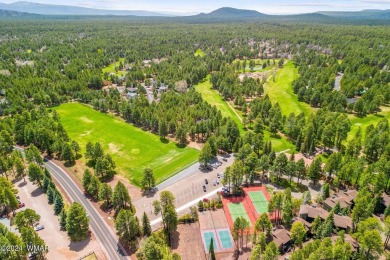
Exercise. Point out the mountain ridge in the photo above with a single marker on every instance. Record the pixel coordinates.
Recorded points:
(370, 16)
(51, 9)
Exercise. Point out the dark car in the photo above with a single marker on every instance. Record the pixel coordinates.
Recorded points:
(206, 181)
(21, 205)
(204, 188)
(224, 159)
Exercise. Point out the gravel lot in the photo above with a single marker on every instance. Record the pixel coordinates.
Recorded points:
(59, 245)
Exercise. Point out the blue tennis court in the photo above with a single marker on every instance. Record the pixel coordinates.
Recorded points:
(207, 240)
(225, 238)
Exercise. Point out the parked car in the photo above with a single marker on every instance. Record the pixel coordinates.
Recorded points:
(21, 205)
(218, 175)
(206, 181)
(214, 183)
(204, 188)
(224, 159)
(39, 227)
(217, 181)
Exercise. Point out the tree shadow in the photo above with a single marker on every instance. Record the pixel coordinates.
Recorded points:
(79, 245)
(69, 164)
(315, 186)
(37, 192)
(91, 164)
(175, 236)
(164, 140)
(22, 184)
(181, 146)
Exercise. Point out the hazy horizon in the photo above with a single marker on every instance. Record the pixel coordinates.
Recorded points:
(203, 6)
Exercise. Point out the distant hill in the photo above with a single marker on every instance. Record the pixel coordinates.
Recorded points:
(231, 12)
(47, 9)
(224, 14)
(9, 13)
(365, 14)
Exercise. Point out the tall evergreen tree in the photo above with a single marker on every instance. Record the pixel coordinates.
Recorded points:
(146, 229)
(211, 250)
(58, 203)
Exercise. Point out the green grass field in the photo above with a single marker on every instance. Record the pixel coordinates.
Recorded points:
(213, 98)
(281, 91)
(363, 122)
(132, 149)
(111, 68)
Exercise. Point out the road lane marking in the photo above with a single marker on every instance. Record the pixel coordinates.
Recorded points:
(76, 197)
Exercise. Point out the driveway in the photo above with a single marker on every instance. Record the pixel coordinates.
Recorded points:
(60, 248)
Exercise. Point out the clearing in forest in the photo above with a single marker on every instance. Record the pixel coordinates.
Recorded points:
(363, 122)
(111, 68)
(213, 97)
(132, 149)
(281, 91)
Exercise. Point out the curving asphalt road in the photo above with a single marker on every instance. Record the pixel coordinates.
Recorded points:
(102, 231)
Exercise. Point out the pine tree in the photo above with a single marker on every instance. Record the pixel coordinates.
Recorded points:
(287, 214)
(58, 204)
(45, 184)
(86, 179)
(211, 250)
(77, 222)
(50, 195)
(62, 218)
(146, 229)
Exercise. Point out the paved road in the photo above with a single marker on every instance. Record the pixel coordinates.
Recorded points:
(102, 231)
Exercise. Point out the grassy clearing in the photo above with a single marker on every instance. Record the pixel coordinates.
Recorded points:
(279, 144)
(363, 122)
(281, 91)
(199, 52)
(132, 149)
(214, 98)
(111, 68)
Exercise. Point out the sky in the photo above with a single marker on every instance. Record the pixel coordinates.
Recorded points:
(198, 6)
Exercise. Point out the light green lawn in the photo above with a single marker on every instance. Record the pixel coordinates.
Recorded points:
(363, 122)
(111, 68)
(281, 91)
(214, 98)
(132, 149)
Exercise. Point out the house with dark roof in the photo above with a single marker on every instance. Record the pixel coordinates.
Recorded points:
(306, 224)
(282, 239)
(349, 239)
(309, 213)
(344, 198)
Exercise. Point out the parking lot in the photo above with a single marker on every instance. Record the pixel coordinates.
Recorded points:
(60, 248)
(187, 189)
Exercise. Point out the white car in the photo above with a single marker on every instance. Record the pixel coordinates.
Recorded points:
(39, 227)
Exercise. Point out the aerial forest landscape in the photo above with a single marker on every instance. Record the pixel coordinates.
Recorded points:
(166, 130)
